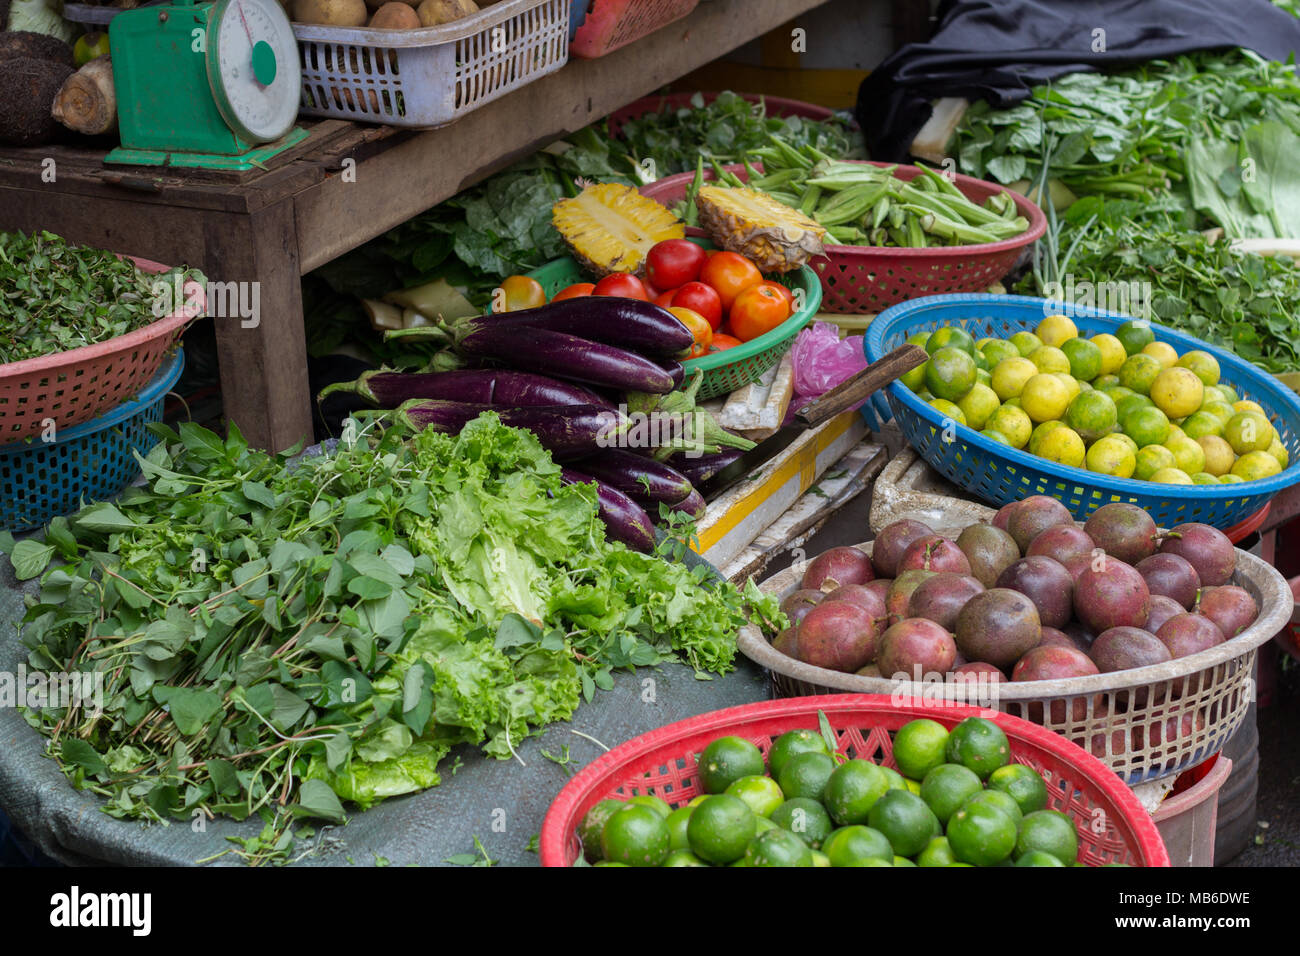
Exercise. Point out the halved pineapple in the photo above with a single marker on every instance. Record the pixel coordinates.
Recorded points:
(776, 237)
(610, 227)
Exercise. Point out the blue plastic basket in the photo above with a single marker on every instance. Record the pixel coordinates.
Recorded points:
(92, 461)
(999, 474)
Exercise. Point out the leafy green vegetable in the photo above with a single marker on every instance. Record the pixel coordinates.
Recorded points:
(280, 638)
(1249, 186)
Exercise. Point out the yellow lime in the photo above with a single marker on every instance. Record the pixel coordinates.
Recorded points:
(1092, 414)
(1151, 459)
(1249, 406)
(1072, 384)
(996, 436)
(1172, 476)
(1255, 465)
(1138, 372)
(1025, 342)
(1230, 479)
(1128, 442)
(1112, 352)
(919, 338)
(995, 350)
(1278, 451)
(950, 337)
(1010, 376)
(978, 404)
(1205, 365)
(950, 373)
(1146, 425)
(1176, 431)
(1162, 352)
(1064, 446)
(1011, 422)
(1177, 392)
(1248, 431)
(1229, 393)
(914, 378)
(1135, 335)
(1199, 424)
(1108, 381)
(948, 410)
(1056, 329)
(1220, 410)
(1111, 456)
(1084, 357)
(1048, 358)
(1219, 455)
(1044, 398)
(983, 377)
(1128, 400)
(1040, 432)
(1204, 478)
(1188, 455)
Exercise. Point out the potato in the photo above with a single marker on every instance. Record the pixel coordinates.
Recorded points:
(376, 4)
(437, 12)
(335, 13)
(394, 16)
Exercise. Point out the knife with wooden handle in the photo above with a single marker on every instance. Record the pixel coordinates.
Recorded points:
(855, 389)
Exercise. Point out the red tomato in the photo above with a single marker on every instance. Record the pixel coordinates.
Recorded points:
(665, 299)
(782, 291)
(575, 291)
(699, 327)
(730, 274)
(722, 341)
(622, 285)
(756, 311)
(674, 262)
(700, 298)
(518, 292)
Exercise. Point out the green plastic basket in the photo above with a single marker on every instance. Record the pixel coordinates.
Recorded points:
(739, 365)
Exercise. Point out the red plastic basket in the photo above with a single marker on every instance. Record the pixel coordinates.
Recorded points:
(1112, 825)
(777, 106)
(861, 280)
(75, 386)
(611, 24)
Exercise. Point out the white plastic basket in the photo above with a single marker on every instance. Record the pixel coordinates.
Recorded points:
(434, 75)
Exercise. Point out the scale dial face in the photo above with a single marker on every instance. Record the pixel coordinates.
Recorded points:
(253, 68)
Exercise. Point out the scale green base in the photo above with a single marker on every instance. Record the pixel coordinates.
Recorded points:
(254, 158)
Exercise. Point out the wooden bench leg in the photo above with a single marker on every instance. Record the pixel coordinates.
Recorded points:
(263, 355)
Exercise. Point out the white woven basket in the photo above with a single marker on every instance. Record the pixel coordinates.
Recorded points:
(1135, 742)
(433, 75)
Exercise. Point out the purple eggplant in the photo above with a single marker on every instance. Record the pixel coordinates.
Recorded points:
(676, 369)
(629, 323)
(624, 519)
(701, 468)
(637, 476)
(479, 386)
(565, 430)
(693, 504)
(566, 356)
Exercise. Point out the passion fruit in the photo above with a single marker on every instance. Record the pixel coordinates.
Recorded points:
(892, 541)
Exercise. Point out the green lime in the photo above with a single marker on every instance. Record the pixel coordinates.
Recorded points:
(1204, 478)
(1139, 372)
(1085, 358)
(1038, 858)
(949, 411)
(778, 848)
(1023, 784)
(896, 780)
(998, 801)
(1151, 459)
(1129, 402)
(682, 858)
(1278, 451)
(793, 742)
(1202, 423)
(1172, 476)
(1230, 479)
(947, 787)
(853, 790)
(919, 747)
(1112, 353)
(820, 858)
(918, 339)
(848, 846)
(995, 350)
(1146, 426)
(1205, 365)
(1189, 456)
(996, 436)
(1256, 465)
(936, 853)
(593, 824)
(914, 378)
(805, 775)
(807, 819)
(1011, 422)
(1228, 393)
(656, 804)
(1025, 342)
(1135, 335)
(1040, 432)
(1092, 414)
(905, 820)
(720, 829)
(609, 863)
(950, 337)
(903, 861)
(635, 836)
(1050, 831)
(761, 794)
(726, 760)
(983, 377)
(1219, 410)
(1048, 358)
(677, 821)
(978, 404)
(1248, 431)
(950, 373)
(1112, 455)
(979, 745)
(981, 835)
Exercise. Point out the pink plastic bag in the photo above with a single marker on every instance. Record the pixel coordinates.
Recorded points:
(822, 359)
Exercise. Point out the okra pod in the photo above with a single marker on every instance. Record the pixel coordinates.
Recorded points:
(808, 202)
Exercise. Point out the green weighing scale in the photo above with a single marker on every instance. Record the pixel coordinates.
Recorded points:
(213, 85)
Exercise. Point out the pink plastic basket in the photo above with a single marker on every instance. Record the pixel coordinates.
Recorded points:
(611, 24)
(861, 280)
(75, 386)
(1112, 825)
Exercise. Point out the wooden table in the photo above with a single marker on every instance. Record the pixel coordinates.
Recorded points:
(333, 192)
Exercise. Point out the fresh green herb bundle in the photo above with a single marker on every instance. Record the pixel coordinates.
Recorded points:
(55, 296)
(278, 638)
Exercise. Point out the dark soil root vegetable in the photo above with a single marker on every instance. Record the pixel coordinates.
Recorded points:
(1207, 549)
(914, 649)
(837, 567)
(989, 550)
(892, 541)
(1123, 531)
(1230, 607)
(1171, 575)
(1044, 581)
(837, 635)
